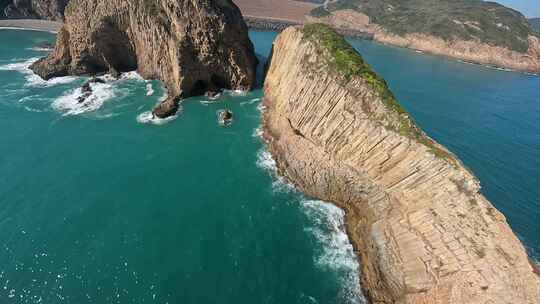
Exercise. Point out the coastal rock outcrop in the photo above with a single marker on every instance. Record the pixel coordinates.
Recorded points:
(422, 230)
(482, 32)
(190, 45)
(42, 9)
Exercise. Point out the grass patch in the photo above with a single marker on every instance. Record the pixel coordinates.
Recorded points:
(343, 59)
(471, 20)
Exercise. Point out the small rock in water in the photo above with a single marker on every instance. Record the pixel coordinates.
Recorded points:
(167, 108)
(225, 117)
(213, 93)
(86, 89)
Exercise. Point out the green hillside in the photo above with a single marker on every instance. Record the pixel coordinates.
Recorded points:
(488, 22)
(536, 23)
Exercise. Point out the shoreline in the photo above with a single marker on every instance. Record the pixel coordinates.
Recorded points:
(275, 24)
(30, 25)
(258, 23)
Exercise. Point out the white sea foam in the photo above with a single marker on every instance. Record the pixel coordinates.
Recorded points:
(149, 89)
(266, 162)
(133, 75)
(236, 92)
(32, 79)
(40, 49)
(251, 101)
(258, 132)
(207, 102)
(337, 252)
(69, 104)
(149, 118)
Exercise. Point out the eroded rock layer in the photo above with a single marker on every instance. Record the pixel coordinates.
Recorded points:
(422, 230)
(191, 45)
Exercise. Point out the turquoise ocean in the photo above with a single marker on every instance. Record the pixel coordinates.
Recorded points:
(101, 204)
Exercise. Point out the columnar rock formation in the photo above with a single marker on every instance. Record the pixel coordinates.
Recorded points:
(192, 45)
(423, 231)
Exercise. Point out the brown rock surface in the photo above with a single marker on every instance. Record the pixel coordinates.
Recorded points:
(422, 230)
(188, 44)
(470, 51)
(44, 9)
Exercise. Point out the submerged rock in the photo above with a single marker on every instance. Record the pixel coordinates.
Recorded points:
(422, 229)
(191, 45)
(225, 117)
(87, 90)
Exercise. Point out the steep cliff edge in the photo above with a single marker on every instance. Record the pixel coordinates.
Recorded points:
(42, 9)
(191, 45)
(478, 31)
(422, 230)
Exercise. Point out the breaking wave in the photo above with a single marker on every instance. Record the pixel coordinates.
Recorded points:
(236, 92)
(327, 225)
(337, 252)
(149, 89)
(69, 104)
(149, 118)
(33, 80)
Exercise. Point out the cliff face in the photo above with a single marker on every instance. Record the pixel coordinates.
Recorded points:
(475, 31)
(191, 45)
(423, 232)
(42, 9)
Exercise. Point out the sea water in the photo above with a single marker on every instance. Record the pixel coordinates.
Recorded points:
(100, 203)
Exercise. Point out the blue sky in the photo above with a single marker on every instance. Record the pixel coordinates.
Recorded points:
(529, 8)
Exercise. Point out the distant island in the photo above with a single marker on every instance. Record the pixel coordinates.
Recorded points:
(536, 23)
(474, 31)
(471, 30)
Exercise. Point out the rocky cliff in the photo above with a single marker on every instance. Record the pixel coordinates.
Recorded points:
(40, 9)
(421, 228)
(478, 31)
(191, 45)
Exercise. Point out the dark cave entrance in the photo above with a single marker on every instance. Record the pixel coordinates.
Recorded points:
(116, 48)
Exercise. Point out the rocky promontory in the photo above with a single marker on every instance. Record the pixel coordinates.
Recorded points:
(191, 45)
(477, 31)
(423, 231)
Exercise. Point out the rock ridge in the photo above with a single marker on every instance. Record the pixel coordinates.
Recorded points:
(423, 231)
(191, 45)
(469, 50)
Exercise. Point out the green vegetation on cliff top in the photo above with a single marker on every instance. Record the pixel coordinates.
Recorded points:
(474, 20)
(343, 59)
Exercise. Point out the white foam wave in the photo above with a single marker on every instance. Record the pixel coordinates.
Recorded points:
(70, 105)
(208, 102)
(33, 110)
(251, 101)
(149, 118)
(261, 107)
(337, 252)
(266, 161)
(133, 75)
(236, 92)
(40, 49)
(149, 89)
(32, 79)
(258, 132)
